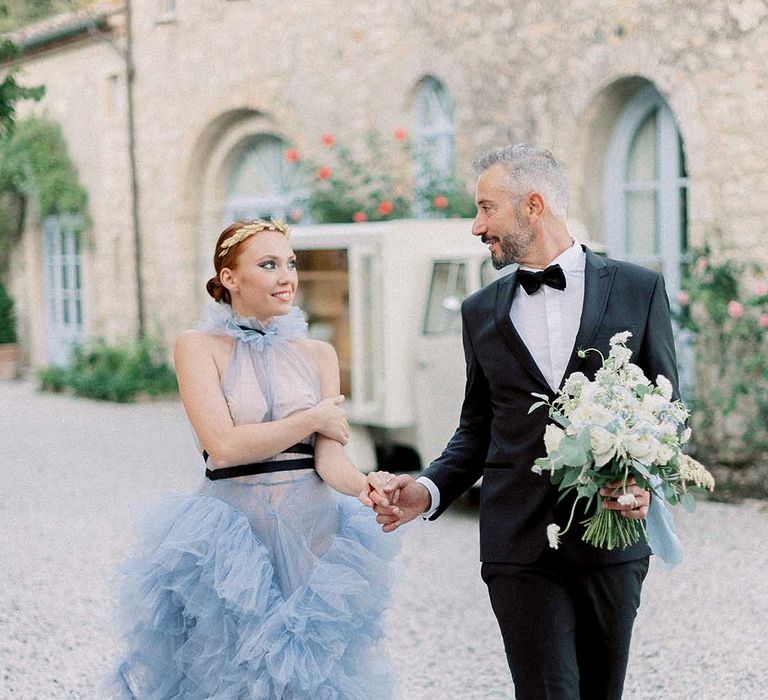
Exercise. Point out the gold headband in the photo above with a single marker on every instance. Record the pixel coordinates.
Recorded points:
(248, 230)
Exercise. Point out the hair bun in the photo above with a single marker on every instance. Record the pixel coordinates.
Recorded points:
(216, 289)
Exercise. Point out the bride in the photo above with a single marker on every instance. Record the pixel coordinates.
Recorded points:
(269, 582)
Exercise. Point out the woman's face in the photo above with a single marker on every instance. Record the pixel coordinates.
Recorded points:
(263, 281)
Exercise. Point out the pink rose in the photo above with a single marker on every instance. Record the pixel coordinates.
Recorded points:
(324, 173)
(385, 208)
(761, 288)
(328, 140)
(291, 155)
(701, 264)
(763, 321)
(735, 310)
(359, 216)
(440, 202)
(682, 298)
(401, 134)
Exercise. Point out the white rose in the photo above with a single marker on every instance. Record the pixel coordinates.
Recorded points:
(603, 445)
(685, 436)
(643, 447)
(598, 415)
(553, 436)
(665, 454)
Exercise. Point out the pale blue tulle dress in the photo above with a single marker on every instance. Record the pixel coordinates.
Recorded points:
(262, 586)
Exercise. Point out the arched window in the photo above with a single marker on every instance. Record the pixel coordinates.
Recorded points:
(265, 181)
(646, 188)
(433, 133)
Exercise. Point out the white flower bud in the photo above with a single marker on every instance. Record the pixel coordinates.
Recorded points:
(552, 535)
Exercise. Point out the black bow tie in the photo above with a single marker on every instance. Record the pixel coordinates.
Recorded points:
(553, 277)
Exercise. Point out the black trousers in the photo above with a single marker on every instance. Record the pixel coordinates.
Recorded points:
(566, 629)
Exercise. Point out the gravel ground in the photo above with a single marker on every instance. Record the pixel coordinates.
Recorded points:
(75, 471)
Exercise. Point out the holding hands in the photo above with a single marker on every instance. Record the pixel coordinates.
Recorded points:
(396, 499)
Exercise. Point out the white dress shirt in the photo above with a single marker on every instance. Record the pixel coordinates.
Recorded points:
(547, 322)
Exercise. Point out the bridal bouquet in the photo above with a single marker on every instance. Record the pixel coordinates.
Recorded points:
(616, 428)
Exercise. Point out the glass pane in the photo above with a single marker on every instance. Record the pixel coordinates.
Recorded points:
(262, 170)
(683, 219)
(642, 223)
(683, 170)
(433, 105)
(642, 164)
(452, 305)
(447, 291)
(323, 295)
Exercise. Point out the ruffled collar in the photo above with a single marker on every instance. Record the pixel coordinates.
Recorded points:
(220, 319)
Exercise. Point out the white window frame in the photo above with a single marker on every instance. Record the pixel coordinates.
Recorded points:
(667, 185)
(62, 274)
(669, 215)
(276, 204)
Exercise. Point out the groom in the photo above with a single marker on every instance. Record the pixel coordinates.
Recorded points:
(565, 615)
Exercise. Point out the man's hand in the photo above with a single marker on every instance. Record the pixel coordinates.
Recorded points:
(614, 498)
(412, 499)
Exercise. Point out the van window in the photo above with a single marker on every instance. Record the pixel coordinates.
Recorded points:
(323, 296)
(488, 273)
(447, 290)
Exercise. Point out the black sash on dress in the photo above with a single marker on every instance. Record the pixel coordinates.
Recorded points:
(267, 467)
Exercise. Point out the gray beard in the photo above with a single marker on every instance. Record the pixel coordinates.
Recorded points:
(512, 251)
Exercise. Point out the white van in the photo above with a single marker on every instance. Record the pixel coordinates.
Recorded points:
(387, 296)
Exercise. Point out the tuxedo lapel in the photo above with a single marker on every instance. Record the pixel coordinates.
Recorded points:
(598, 277)
(505, 291)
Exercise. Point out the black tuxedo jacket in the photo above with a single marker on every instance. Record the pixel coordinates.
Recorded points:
(499, 440)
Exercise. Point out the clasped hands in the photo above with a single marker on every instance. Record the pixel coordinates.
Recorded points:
(396, 499)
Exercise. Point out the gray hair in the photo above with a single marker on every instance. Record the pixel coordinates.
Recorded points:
(531, 168)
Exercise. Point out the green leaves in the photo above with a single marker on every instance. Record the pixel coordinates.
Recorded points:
(688, 501)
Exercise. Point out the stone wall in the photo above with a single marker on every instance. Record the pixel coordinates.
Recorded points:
(557, 75)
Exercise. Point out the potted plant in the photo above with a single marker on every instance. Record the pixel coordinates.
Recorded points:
(8, 340)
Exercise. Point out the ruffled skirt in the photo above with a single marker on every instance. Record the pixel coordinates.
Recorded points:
(269, 589)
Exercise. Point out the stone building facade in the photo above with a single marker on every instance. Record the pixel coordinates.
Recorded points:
(657, 110)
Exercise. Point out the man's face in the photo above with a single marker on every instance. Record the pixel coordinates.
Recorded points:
(500, 220)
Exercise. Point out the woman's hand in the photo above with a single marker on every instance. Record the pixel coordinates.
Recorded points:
(631, 504)
(331, 420)
(381, 490)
